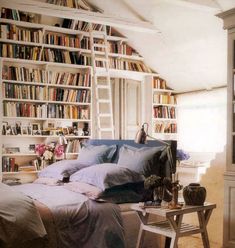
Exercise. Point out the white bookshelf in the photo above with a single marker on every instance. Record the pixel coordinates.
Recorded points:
(59, 12)
(164, 110)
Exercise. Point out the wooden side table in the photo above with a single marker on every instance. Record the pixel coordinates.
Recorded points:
(172, 226)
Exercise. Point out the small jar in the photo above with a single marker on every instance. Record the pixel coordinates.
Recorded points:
(194, 194)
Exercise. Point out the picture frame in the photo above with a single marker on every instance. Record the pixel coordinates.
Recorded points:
(65, 131)
(13, 130)
(8, 130)
(18, 127)
(30, 130)
(24, 130)
(11, 150)
(36, 130)
(4, 127)
(32, 147)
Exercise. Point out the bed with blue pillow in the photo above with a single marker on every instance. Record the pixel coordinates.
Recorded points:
(79, 201)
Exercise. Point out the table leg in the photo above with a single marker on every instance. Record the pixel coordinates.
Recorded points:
(140, 237)
(202, 223)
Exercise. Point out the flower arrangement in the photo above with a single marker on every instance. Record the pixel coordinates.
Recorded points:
(49, 152)
(181, 155)
(161, 187)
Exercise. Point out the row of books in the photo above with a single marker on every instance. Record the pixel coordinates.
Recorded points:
(85, 43)
(62, 56)
(164, 112)
(73, 146)
(159, 83)
(165, 127)
(164, 99)
(13, 32)
(30, 92)
(24, 74)
(120, 48)
(69, 95)
(9, 165)
(62, 40)
(67, 78)
(68, 112)
(19, 51)
(15, 109)
(19, 15)
(37, 75)
(78, 4)
(121, 64)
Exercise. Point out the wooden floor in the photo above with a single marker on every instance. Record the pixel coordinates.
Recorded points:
(194, 242)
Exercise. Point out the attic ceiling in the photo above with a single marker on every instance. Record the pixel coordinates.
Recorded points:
(190, 50)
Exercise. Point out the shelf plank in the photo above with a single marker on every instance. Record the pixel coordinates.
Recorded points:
(19, 154)
(164, 104)
(78, 14)
(164, 119)
(163, 90)
(45, 136)
(59, 29)
(20, 172)
(44, 119)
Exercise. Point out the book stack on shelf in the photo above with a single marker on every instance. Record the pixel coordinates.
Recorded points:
(164, 109)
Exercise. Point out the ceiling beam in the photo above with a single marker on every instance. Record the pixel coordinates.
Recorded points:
(78, 14)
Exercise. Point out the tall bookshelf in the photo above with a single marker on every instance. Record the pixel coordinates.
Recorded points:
(43, 45)
(229, 175)
(164, 108)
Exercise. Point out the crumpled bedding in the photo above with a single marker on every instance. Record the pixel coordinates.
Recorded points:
(19, 218)
(79, 222)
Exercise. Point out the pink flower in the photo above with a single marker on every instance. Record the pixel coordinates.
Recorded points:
(40, 149)
(59, 150)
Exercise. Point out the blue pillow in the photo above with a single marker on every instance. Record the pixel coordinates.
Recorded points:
(90, 155)
(60, 169)
(105, 176)
(143, 160)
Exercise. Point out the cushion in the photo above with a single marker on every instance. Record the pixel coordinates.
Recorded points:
(48, 181)
(119, 194)
(90, 155)
(60, 169)
(106, 175)
(143, 160)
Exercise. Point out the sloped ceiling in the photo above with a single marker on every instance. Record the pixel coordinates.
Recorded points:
(190, 50)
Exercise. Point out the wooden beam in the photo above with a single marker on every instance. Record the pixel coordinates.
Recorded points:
(78, 14)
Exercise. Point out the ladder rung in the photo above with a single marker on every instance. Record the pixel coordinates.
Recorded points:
(95, 32)
(103, 101)
(99, 45)
(107, 129)
(102, 87)
(104, 115)
(101, 59)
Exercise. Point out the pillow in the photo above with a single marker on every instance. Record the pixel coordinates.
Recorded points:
(48, 181)
(143, 160)
(61, 169)
(90, 155)
(118, 194)
(106, 176)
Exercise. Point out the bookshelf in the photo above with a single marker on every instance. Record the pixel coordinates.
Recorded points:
(29, 45)
(164, 121)
(229, 174)
(51, 97)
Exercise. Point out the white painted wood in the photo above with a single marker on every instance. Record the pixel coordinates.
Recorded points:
(173, 227)
(78, 14)
(132, 109)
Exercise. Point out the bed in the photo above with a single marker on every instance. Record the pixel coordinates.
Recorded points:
(70, 215)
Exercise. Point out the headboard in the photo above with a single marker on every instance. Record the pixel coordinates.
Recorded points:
(151, 143)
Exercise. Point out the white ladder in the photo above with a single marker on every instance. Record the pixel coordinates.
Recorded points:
(102, 83)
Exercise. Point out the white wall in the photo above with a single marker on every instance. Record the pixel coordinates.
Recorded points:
(202, 122)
